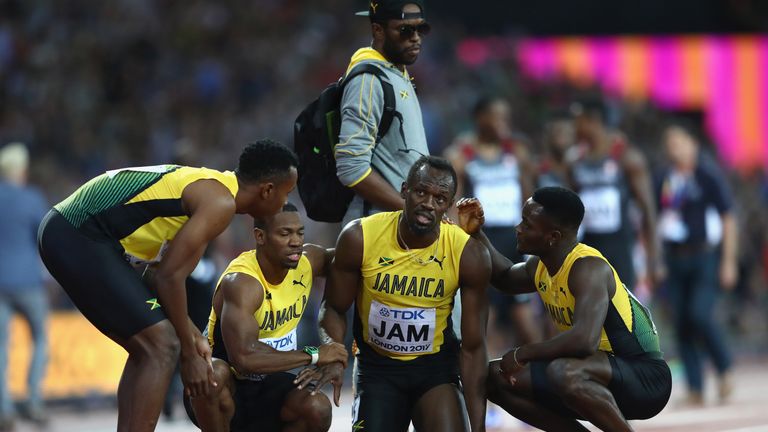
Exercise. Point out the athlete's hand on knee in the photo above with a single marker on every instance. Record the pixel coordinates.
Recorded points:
(197, 368)
(331, 353)
(471, 216)
(331, 373)
(509, 366)
(307, 376)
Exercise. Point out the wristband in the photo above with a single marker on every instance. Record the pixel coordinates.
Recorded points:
(314, 353)
(514, 357)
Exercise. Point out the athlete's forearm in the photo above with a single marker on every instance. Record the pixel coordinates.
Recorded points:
(260, 358)
(332, 324)
(565, 344)
(474, 372)
(499, 263)
(172, 296)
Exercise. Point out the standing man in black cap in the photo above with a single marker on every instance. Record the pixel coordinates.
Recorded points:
(375, 167)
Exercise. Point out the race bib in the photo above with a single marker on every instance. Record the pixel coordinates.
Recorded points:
(401, 330)
(602, 210)
(502, 203)
(282, 343)
(136, 261)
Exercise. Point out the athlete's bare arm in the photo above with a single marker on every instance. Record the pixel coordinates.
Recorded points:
(319, 258)
(474, 275)
(375, 189)
(242, 295)
(340, 291)
(506, 276)
(210, 206)
(592, 285)
(640, 186)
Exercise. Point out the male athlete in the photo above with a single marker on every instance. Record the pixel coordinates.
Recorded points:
(605, 365)
(162, 215)
(258, 303)
(402, 270)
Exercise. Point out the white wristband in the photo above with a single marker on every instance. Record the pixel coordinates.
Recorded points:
(315, 358)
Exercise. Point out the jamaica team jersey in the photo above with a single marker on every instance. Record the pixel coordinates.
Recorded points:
(403, 309)
(628, 329)
(140, 207)
(279, 313)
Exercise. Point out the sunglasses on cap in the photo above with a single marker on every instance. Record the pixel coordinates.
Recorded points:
(407, 30)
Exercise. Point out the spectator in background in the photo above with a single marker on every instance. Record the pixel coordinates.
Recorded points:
(377, 170)
(688, 190)
(607, 175)
(559, 139)
(21, 280)
(494, 166)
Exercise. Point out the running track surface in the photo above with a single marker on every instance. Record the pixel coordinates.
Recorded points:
(746, 412)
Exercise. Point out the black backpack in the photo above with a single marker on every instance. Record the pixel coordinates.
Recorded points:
(316, 133)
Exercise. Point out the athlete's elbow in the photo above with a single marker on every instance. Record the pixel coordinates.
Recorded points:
(585, 346)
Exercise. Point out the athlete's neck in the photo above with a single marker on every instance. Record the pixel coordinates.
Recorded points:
(413, 240)
(274, 273)
(554, 259)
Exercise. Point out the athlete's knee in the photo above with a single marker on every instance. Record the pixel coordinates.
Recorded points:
(158, 342)
(566, 377)
(314, 410)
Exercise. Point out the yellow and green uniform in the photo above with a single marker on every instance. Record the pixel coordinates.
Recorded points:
(628, 329)
(280, 311)
(403, 309)
(140, 207)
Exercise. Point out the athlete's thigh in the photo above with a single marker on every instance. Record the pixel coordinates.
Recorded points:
(380, 405)
(441, 409)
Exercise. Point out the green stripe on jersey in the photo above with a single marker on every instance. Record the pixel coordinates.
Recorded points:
(108, 190)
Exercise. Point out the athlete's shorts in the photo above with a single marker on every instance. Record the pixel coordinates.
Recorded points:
(385, 396)
(257, 403)
(640, 385)
(101, 283)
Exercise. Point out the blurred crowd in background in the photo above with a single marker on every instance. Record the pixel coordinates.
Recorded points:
(95, 86)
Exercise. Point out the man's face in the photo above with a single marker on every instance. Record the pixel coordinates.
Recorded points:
(282, 239)
(681, 148)
(587, 127)
(495, 120)
(272, 196)
(427, 197)
(560, 136)
(534, 232)
(401, 44)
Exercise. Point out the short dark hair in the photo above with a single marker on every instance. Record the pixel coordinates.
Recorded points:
(593, 107)
(561, 205)
(435, 162)
(265, 159)
(261, 222)
(484, 103)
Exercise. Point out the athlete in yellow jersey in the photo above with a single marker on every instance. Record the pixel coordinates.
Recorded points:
(605, 365)
(402, 270)
(258, 303)
(162, 215)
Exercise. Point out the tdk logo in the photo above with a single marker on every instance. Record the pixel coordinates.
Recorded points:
(384, 312)
(281, 343)
(408, 315)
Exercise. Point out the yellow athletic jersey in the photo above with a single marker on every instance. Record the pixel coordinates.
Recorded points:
(404, 306)
(141, 206)
(282, 307)
(628, 329)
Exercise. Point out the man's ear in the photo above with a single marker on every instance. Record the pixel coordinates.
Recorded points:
(403, 190)
(377, 30)
(266, 190)
(260, 235)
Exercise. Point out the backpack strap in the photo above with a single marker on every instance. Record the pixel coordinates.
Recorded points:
(390, 104)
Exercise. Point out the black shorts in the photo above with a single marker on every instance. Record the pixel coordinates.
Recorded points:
(257, 403)
(385, 396)
(101, 283)
(640, 385)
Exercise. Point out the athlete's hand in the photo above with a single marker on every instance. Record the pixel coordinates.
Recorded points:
(331, 373)
(471, 216)
(508, 367)
(332, 352)
(197, 368)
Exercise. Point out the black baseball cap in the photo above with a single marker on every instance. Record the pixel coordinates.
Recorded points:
(382, 10)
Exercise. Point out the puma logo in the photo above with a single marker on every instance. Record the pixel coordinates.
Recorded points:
(438, 261)
(299, 282)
